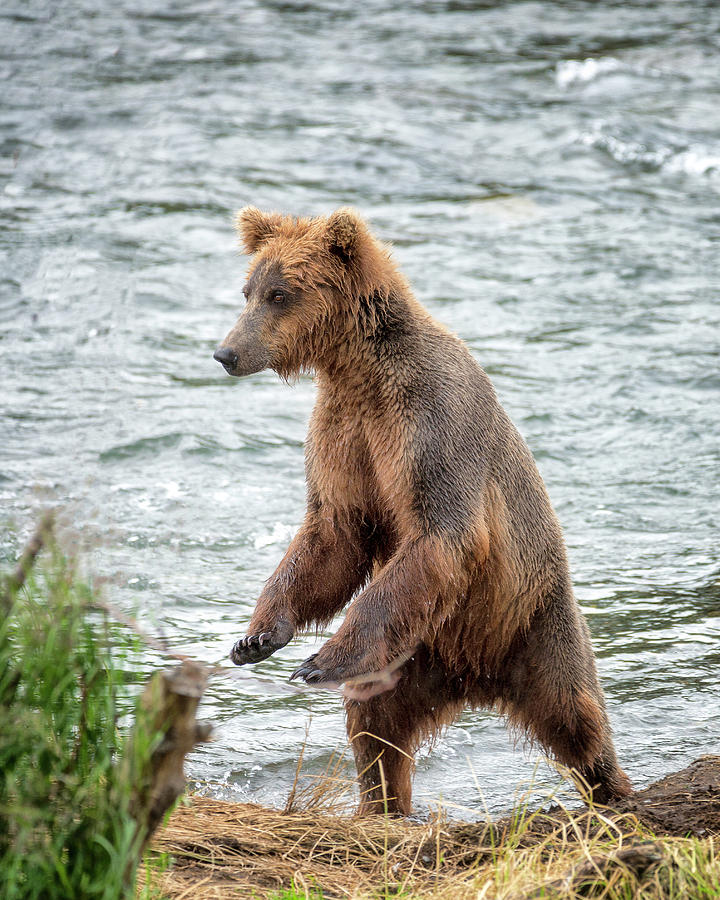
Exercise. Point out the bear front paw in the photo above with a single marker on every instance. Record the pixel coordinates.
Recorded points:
(253, 648)
(328, 673)
(361, 680)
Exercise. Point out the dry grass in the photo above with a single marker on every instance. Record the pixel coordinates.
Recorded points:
(228, 850)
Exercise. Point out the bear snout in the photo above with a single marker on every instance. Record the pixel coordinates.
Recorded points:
(227, 358)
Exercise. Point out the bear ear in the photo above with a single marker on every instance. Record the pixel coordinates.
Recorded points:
(255, 227)
(346, 232)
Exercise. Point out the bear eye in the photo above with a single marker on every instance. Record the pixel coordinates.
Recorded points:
(245, 292)
(277, 296)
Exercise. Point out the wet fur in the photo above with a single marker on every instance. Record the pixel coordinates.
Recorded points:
(425, 506)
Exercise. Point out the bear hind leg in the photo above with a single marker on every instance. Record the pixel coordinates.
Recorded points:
(555, 695)
(577, 732)
(386, 730)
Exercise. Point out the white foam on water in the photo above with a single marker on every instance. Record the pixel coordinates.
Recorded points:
(172, 490)
(574, 71)
(698, 160)
(280, 534)
(625, 150)
(579, 72)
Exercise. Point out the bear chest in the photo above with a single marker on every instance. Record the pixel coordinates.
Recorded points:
(361, 462)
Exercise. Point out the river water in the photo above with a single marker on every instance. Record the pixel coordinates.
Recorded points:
(549, 175)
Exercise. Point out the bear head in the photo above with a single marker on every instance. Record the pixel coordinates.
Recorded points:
(307, 293)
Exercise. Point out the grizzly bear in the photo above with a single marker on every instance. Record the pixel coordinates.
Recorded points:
(425, 505)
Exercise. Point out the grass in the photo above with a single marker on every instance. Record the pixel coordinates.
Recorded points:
(293, 893)
(226, 850)
(66, 829)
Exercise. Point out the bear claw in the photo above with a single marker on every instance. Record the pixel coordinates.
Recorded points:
(304, 669)
(254, 648)
(310, 674)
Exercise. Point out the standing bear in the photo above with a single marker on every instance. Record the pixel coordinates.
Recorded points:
(424, 508)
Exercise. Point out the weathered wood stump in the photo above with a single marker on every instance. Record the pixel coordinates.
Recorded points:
(165, 717)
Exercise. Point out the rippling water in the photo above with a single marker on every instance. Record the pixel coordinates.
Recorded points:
(549, 174)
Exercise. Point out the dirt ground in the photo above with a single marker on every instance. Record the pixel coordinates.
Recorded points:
(228, 850)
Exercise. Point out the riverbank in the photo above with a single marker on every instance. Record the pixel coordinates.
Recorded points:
(660, 843)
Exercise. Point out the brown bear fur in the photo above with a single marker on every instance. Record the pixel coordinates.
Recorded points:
(424, 505)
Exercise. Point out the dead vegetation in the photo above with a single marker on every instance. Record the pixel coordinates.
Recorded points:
(660, 843)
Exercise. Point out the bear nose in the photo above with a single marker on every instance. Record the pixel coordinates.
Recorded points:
(226, 356)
